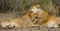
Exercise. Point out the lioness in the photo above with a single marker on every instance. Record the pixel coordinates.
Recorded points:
(36, 16)
(24, 21)
(44, 18)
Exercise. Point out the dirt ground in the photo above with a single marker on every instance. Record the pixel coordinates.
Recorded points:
(31, 29)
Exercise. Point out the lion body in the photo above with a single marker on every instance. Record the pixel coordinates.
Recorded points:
(43, 18)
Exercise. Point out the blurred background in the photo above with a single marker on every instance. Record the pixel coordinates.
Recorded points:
(17, 8)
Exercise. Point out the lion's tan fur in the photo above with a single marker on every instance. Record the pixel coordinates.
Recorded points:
(43, 18)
